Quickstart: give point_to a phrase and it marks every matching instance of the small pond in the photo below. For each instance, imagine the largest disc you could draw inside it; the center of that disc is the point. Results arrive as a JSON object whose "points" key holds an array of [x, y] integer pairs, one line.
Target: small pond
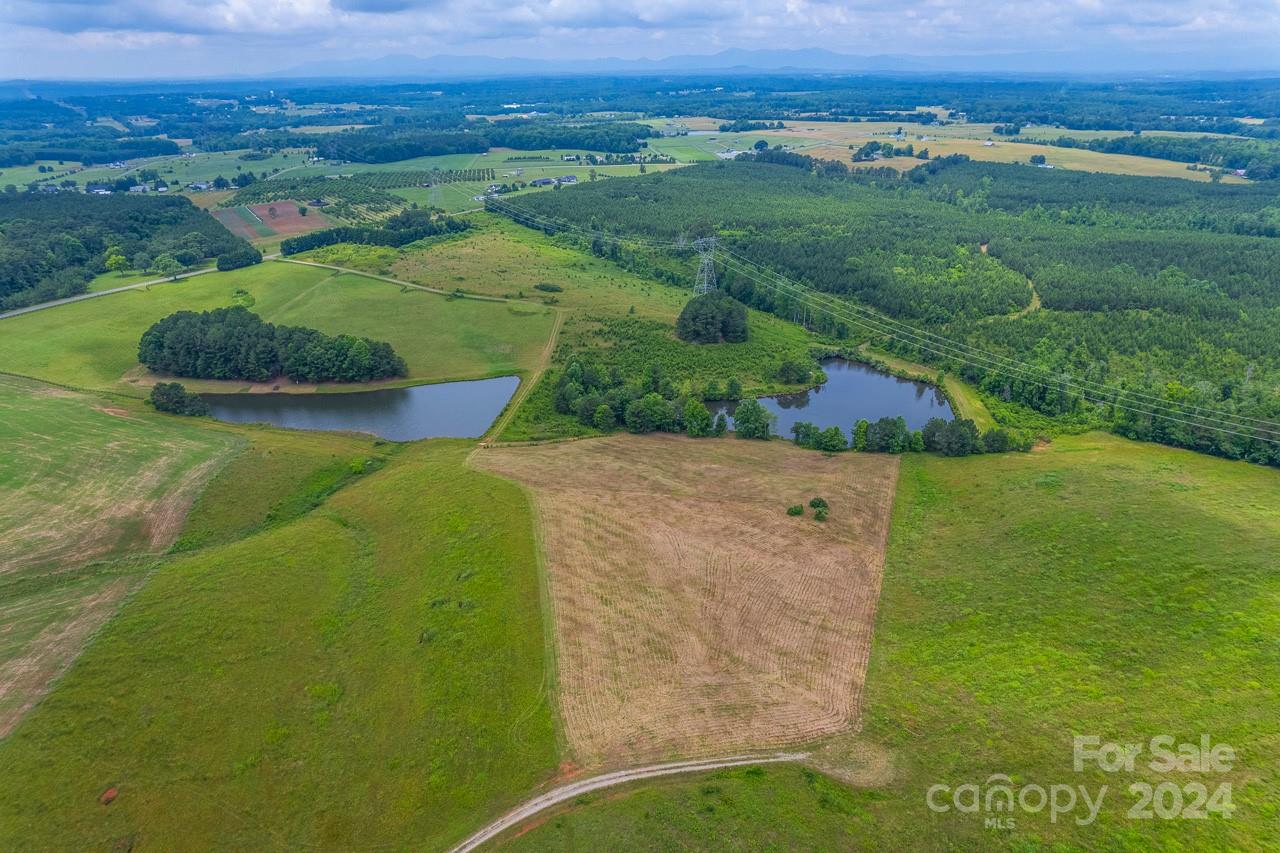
{"points": [[853, 391], [446, 410]]}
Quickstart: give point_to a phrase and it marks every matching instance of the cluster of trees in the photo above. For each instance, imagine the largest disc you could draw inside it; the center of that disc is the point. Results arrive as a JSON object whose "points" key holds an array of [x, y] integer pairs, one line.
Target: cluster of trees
{"points": [[743, 125], [618, 137], [389, 145], [52, 245], [712, 318], [245, 256], [959, 437], [604, 400], [397, 230], [174, 398], [235, 343]]}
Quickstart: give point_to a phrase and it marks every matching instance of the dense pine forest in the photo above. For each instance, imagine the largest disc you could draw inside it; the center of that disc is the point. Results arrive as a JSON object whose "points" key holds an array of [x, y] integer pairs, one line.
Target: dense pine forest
{"points": [[1151, 295]]}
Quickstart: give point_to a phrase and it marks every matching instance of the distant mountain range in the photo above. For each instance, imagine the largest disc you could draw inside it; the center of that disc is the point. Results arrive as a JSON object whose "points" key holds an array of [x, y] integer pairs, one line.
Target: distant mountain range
{"points": [[748, 61]]}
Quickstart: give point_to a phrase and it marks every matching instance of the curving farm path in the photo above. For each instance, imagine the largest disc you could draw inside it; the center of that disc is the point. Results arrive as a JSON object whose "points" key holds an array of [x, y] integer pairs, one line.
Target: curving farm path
{"points": [[558, 795]]}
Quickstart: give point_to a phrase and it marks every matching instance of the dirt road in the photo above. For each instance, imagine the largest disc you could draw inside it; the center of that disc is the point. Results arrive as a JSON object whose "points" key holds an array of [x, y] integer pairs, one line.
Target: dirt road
{"points": [[620, 777]]}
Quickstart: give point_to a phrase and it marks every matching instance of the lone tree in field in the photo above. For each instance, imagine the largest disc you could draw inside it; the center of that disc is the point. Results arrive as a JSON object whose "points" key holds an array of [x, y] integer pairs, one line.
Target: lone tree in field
{"points": [[712, 318]]}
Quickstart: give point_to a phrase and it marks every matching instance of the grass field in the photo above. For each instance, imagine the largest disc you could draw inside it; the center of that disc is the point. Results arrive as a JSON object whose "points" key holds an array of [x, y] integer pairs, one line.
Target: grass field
{"points": [[85, 484], [93, 344], [366, 676], [20, 176], [1096, 587], [693, 616], [112, 280], [1060, 158], [768, 807], [182, 169]]}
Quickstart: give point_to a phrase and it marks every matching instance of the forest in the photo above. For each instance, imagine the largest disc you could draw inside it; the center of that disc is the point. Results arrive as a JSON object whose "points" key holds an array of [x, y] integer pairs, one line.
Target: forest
{"points": [[235, 343], [391, 143], [1146, 321], [52, 245]]}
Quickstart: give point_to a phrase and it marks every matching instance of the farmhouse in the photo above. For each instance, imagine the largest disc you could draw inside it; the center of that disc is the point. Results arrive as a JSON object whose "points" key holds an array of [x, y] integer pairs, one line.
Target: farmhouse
{"points": [[542, 182], [567, 179]]}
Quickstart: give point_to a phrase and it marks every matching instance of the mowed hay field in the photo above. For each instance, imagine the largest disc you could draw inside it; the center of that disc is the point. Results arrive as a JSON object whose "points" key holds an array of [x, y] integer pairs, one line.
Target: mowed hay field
{"points": [[94, 343], [366, 676], [82, 481], [1094, 587], [693, 616]]}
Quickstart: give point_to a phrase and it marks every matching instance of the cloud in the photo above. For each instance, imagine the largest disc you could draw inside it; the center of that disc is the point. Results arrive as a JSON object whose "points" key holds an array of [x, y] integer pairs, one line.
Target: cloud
{"points": [[570, 29]]}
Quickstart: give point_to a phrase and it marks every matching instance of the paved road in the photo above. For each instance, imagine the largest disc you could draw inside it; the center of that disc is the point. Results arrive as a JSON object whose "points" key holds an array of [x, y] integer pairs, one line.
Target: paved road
{"points": [[83, 296], [576, 789], [17, 312]]}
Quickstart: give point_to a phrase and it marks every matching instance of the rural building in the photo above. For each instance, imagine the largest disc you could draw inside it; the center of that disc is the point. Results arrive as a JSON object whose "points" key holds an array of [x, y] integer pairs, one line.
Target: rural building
{"points": [[542, 182], [567, 179]]}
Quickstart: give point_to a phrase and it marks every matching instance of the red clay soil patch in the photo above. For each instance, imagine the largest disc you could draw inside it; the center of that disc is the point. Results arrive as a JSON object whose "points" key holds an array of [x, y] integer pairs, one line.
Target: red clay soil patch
{"points": [[286, 220]]}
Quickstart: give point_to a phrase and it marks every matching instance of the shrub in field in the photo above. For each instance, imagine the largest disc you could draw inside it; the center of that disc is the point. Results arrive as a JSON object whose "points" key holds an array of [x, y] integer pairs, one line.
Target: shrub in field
{"points": [[820, 514], [174, 398], [819, 503], [795, 509]]}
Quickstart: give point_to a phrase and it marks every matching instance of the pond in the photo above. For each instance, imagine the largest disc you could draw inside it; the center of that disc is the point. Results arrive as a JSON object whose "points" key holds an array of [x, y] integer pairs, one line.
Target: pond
{"points": [[446, 410], [853, 391]]}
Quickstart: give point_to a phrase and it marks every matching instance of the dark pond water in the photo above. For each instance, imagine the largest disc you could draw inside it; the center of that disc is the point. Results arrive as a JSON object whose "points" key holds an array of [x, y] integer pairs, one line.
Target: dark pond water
{"points": [[852, 391], [447, 410]]}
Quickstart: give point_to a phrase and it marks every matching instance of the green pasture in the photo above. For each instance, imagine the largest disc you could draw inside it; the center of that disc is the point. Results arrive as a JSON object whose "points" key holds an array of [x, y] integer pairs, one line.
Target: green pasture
{"points": [[366, 676], [93, 343]]}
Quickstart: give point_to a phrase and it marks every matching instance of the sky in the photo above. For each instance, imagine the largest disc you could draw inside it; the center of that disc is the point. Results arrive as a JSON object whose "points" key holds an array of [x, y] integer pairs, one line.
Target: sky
{"points": [[80, 39]]}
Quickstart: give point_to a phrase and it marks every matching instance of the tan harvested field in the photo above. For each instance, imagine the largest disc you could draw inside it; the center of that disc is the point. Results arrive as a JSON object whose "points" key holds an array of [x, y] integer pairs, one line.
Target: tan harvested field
{"points": [[692, 615]]}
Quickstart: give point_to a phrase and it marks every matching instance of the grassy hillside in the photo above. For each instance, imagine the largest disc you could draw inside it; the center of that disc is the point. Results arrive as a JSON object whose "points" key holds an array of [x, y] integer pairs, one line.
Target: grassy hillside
{"points": [[369, 675], [1096, 587], [93, 344], [89, 492]]}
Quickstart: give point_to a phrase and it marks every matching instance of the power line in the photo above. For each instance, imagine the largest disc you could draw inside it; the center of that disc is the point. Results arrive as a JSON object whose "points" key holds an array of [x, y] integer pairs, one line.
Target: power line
{"points": [[928, 341], [993, 361]]}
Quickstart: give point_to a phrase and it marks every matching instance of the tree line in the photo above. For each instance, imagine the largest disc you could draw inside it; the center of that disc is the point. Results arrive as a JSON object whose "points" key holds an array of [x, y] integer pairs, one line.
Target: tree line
{"points": [[397, 230]]}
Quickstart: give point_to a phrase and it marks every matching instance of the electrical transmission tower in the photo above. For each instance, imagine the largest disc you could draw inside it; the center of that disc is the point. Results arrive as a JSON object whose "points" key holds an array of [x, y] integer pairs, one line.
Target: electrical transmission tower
{"points": [[706, 248]]}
